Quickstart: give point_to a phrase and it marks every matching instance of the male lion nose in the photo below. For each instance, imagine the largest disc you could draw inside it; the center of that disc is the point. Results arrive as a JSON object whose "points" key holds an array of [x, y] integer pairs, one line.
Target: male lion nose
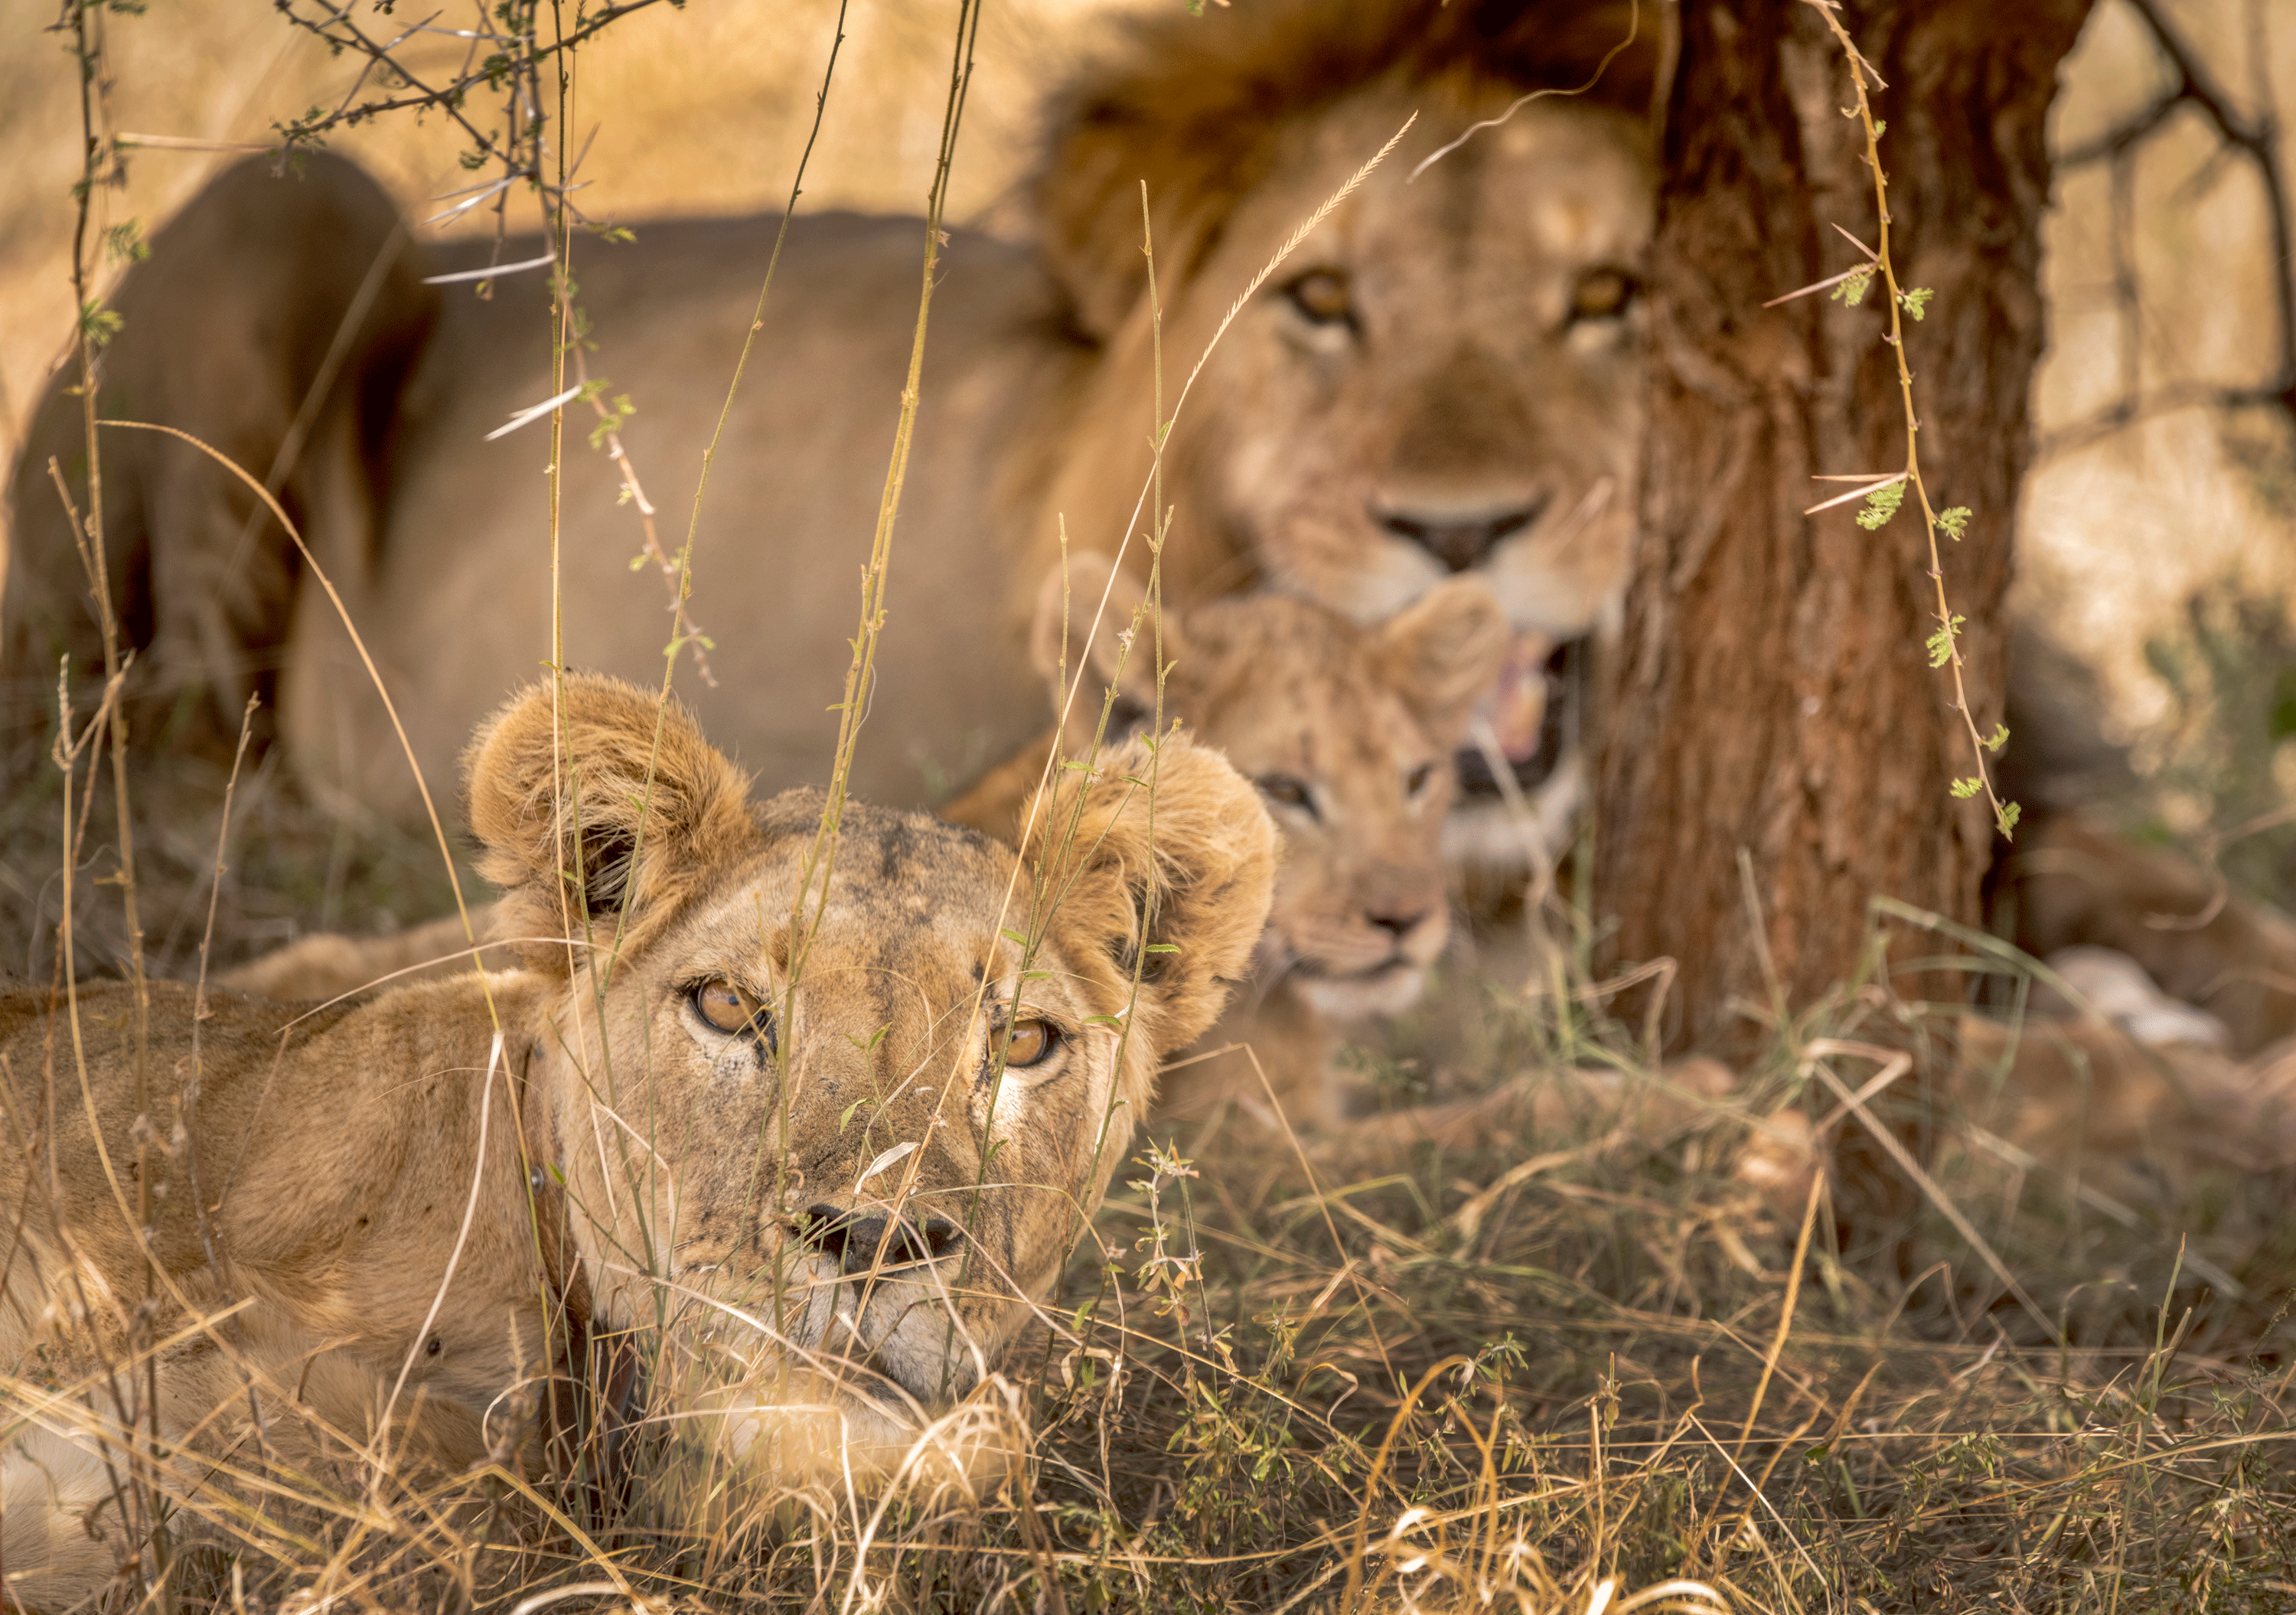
{"points": [[853, 1242], [1460, 541]]}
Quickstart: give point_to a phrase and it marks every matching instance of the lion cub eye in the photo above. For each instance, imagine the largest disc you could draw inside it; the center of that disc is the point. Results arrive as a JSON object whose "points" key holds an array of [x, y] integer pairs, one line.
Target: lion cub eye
{"points": [[730, 1010], [1032, 1043], [1603, 294], [1289, 791], [1322, 297]]}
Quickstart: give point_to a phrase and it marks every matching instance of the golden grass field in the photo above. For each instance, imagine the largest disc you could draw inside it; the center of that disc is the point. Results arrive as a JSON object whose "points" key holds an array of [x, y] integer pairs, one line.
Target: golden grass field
{"points": [[1583, 1370]]}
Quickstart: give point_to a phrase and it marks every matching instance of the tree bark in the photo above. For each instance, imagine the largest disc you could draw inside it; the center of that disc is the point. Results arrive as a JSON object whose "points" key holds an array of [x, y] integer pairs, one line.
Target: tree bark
{"points": [[1771, 695]]}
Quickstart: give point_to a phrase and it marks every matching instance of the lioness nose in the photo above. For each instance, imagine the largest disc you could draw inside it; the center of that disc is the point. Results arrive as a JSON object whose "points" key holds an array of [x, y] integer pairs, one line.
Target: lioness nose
{"points": [[1459, 542], [853, 1242]]}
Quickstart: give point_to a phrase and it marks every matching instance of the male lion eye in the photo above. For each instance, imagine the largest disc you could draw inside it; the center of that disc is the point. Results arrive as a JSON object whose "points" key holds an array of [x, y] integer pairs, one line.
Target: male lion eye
{"points": [[1032, 1043], [730, 1010], [1287, 791], [1321, 296], [1603, 294]]}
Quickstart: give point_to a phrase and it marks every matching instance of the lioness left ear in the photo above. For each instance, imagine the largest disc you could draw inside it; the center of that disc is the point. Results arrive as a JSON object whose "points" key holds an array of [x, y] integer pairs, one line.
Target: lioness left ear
{"points": [[604, 806], [1180, 893], [1444, 650]]}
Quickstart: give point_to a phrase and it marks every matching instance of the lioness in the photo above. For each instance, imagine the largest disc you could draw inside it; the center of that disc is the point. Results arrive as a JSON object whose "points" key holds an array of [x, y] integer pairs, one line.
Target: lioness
{"points": [[1442, 378], [1348, 731], [738, 1107]]}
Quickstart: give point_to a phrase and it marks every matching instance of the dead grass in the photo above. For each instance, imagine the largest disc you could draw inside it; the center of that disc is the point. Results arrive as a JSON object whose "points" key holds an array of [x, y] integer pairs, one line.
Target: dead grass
{"points": [[1405, 1390], [1419, 1389]]}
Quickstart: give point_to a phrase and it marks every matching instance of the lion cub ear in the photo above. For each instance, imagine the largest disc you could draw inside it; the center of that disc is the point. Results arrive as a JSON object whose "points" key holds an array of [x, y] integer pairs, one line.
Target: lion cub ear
{"points": [[1180, 893], [1443, 652], [1067, 604], [600, 814]]}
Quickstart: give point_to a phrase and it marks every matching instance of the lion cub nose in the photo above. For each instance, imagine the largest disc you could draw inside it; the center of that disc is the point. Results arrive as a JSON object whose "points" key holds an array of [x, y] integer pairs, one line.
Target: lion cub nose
{"points": [[1459, 541], [1402, 924], [853, 1242]]}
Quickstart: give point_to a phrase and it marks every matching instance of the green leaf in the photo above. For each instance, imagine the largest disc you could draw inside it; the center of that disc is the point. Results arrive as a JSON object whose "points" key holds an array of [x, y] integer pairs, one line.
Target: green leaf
{"points": [[1161, 948], [125, 243], [98, 323], [1966, 788], [2008, 816], [1882, 503], [1998, 738], [1916, 299], [1852, 291], [1955, 519], [1940, 643]]}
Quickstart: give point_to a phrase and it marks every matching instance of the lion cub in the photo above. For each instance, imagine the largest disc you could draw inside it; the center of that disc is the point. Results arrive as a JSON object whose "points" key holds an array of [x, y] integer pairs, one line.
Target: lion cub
{"points": [[1348, 731], [715, 1155]]}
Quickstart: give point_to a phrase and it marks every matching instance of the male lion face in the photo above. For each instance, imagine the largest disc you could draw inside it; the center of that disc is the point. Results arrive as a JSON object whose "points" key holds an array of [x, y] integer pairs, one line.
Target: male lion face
{"points": [[1443, 377]]}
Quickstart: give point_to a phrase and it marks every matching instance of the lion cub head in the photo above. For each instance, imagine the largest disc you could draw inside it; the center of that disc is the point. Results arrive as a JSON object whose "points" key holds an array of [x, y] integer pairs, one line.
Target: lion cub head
{"points": [[835, 1109], [1346, 731]]}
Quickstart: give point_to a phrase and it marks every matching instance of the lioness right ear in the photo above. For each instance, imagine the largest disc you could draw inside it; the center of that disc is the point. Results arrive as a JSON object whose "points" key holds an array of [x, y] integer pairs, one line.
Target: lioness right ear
{"points": [[1066, 606], [601, 813], [1175, 888]]}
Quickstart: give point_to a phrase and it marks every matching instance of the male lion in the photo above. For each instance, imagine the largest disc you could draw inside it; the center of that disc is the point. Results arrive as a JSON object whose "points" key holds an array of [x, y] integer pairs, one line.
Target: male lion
{"points": [[733, 1110], [1442, 378], [1348, 731]]}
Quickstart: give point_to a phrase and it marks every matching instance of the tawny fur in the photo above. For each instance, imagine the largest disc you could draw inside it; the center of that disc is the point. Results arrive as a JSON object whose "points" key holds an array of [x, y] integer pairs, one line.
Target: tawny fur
{"points": [[1469, 381], [317, 1172], [2071, 884], [1359, 723]]}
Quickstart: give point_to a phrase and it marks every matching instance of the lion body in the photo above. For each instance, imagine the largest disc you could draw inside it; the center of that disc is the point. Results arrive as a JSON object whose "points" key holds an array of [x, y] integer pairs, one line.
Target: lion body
{"points": [[1442, 377], [379, 1228]]}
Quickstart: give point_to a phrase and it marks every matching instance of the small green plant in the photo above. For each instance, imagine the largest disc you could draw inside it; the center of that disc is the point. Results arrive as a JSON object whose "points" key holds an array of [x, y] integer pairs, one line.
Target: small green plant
{"points": [[1884, 497]]}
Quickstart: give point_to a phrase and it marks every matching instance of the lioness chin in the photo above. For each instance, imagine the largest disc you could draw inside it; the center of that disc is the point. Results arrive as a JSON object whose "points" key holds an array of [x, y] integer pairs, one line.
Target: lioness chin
{"points": [[713, 1158]]}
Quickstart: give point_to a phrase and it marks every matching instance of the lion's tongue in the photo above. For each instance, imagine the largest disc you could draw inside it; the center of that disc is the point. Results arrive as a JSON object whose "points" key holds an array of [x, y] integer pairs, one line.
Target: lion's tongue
{"points": [[1515, 706]]}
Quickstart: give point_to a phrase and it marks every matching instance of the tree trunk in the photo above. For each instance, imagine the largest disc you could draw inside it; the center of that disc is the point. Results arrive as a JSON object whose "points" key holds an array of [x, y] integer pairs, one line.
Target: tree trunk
{"points": [[1772, 696]]}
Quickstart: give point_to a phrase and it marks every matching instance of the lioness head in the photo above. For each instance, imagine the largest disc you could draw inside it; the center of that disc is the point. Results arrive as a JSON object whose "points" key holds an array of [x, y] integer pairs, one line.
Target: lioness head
{"points": [[1442, 378], [826, 1125], [1346, 731]]}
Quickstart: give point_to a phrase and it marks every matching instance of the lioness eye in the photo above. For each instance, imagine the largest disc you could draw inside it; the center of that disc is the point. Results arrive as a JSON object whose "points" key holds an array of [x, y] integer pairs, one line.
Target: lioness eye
{"points": [[1419, 778], [730, 1010], [1322, 296], [1288, 791], [1603, 294], [1032, 1043]]}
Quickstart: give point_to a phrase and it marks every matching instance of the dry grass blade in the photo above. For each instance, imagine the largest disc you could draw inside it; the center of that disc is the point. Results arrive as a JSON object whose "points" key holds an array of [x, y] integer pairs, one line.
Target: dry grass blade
{"points": [[343, 614]]}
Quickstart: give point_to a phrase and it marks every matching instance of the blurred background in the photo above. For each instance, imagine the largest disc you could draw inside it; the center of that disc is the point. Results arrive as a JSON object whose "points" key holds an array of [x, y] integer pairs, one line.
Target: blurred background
{"points": [[2155, 536]]}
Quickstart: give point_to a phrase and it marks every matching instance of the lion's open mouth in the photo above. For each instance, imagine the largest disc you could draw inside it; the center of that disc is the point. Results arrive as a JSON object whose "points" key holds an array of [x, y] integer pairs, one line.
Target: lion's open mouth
{"points": [[1530, 718]]}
